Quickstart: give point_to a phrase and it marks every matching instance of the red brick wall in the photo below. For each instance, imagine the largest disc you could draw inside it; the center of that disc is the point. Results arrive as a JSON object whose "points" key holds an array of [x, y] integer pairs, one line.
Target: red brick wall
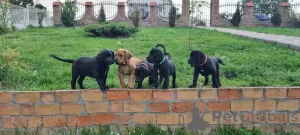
{"points": [[54, 109]]}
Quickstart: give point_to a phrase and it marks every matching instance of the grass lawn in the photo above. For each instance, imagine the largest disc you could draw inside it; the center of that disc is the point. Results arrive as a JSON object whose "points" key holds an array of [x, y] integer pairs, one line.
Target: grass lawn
{"points": [[248, 63], [272, 30]]}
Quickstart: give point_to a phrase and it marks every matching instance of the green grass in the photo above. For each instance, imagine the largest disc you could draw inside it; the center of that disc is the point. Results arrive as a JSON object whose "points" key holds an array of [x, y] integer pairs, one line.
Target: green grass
{"points": [[248, 63], [151, 129], [272, 30]]}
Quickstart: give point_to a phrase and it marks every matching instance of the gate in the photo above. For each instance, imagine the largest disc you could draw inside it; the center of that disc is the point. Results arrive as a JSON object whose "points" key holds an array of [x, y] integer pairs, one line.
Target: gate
{"points": [[200, 12]]}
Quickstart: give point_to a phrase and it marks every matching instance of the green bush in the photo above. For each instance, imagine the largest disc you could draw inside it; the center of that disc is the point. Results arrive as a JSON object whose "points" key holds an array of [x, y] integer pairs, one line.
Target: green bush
{"points": [[68, 13], [102, 16], [276, 17], [172, 17], [110, 30], [236, 19]]}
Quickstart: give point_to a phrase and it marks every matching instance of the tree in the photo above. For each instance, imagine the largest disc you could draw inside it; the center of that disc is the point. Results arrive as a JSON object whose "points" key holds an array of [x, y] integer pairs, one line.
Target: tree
{"points": [[265, 6], [236, 19], [102, 17], [136, 16], [22, 3], [4, 19], [172, 16], [68, 13], [276, 17]]}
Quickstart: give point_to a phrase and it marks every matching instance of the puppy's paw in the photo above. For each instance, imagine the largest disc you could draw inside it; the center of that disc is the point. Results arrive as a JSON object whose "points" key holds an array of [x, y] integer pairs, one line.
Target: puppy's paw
{"points": [[107, 87], [192, 86], [103, 89], [130, 86], [165, 87]]}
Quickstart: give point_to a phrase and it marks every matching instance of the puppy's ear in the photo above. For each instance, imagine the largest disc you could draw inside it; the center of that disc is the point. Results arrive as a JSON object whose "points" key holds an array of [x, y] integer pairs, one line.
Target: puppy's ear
{"points": [[128, 55]]}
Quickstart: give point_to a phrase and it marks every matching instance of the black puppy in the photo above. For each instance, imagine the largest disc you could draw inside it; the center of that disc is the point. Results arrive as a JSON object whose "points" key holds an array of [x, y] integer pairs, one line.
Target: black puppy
{"points": [[143, 70], [205, 66], [96, 67], [164, 66]]}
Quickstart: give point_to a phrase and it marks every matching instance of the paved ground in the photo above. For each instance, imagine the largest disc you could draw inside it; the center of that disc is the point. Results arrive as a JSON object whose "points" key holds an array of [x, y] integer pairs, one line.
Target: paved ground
{"points": [[290, 41]]}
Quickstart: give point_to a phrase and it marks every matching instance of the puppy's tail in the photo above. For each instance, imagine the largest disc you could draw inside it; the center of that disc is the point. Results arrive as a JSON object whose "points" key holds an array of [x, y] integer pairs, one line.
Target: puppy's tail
{"points": [[160, 45], [60, 59], [220, 61]]}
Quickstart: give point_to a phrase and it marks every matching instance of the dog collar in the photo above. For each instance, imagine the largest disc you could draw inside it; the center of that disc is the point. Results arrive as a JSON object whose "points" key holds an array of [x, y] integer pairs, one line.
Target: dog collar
{"points": [[204, 61], [147, 67], [127, 62], [163, 60]]}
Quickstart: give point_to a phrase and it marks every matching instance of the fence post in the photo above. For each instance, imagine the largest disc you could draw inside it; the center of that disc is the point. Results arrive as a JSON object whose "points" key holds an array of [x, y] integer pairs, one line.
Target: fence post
{"points": [[89, 17], [27, 15], [121, 16], [248, 19], [56, 13], [215, 18], [183, 20], [285, 14]]}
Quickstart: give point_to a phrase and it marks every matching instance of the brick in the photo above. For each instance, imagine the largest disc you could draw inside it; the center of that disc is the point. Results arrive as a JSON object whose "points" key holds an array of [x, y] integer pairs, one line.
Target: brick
{"points": [[268, 105], [230, 118], [72, 109], [276, 93], [27, 110], [260, 118], [218, 106], [134, 107], [54, 121], [163, 95], [209, 94], [27, 97], [116, 106], [92, 95], [7, 110], [229, 94], [167, 118], [253, 93], [187, 95], [182, 106], [201, 106], [47, 97], [117, 95], [277, 118], [67, 96], [241, 105], [50, 109], [209, 117], [79, 121], [144, 118], [294, 118], [34, 122], [102, 118], [122, 118], [185, 118], [140, 94], [6, 97], [246, 118], [294, 93], [289, 105], [96, 107], [14, 122], [159, 107]]}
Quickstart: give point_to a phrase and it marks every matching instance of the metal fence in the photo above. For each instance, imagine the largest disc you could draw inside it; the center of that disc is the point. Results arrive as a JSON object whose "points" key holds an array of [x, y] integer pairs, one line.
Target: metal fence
{"points": [[295, 7], [110, 9], [228, 9], [21, 17], [163, 10], [200, 12], [80, 10]]}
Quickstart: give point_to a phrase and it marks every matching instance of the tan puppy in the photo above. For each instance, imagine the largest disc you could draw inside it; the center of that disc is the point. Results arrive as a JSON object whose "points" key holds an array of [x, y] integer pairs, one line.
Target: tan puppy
{"points": [[126, 66]]}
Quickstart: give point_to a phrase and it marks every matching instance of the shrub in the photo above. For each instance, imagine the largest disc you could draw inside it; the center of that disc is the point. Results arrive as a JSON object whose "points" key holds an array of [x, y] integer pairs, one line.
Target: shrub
{"points": [[236, 18], [68, 13], [136, 17], [172, 17], [41, 15], [295, 20], [110, 30], [102, 17], [276, 17]]}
